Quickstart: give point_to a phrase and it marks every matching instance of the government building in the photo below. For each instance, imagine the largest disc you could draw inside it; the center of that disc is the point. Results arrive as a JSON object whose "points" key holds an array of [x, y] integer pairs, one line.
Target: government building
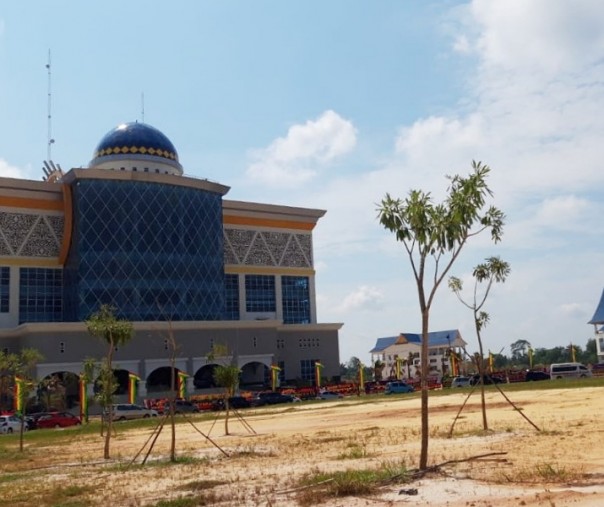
{"points": [[171, 255]]}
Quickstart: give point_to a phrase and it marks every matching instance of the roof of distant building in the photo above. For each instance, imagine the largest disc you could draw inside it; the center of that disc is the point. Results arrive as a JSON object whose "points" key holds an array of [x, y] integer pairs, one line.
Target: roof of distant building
{"points": [[435, 339]]}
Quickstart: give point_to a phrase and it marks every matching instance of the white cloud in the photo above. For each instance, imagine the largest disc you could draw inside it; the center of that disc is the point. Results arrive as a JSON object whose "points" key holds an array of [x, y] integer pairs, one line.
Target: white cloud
{"points": [[530, 112], [10, 171], [559, 211], [539, 35], [363, 298], [305, 150]]}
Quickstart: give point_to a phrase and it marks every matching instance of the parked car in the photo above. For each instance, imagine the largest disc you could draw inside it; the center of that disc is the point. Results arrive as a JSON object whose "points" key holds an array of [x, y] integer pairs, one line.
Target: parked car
{"points": [[488, 379], [461, 382], [532, 376], [32, 419], [329, 395], [128, 411], [235, 402], [571, 370], [10, 424], [185, 407], [57, 420], [398, 387], [271, 398]]}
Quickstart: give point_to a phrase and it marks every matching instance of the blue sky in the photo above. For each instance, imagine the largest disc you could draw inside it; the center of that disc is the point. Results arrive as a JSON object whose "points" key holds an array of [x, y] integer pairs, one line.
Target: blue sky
{"points": [[332, 104]]}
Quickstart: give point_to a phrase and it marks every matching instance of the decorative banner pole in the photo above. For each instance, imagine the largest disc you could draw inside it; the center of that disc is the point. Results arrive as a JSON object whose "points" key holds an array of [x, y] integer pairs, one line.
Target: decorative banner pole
{"points": [[398, 367], [530, 355], [490, 362], [572, 353], [18, 394], [83, 398], [318, 368], [361, 377], [182, 385], [274, 376], [132, 387], [453, 363]]}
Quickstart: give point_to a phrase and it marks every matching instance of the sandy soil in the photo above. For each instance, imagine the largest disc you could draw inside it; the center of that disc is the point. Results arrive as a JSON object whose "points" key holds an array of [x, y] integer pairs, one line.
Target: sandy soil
{"points": [[269, 450]]}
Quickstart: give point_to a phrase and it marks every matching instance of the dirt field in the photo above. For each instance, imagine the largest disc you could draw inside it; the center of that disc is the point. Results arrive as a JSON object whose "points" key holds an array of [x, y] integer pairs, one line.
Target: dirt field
{"points": [[270, 450]]}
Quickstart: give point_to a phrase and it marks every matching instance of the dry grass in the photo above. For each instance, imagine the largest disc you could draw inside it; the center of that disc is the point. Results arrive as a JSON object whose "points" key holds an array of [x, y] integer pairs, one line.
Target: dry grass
{"points": [[351, 444]]}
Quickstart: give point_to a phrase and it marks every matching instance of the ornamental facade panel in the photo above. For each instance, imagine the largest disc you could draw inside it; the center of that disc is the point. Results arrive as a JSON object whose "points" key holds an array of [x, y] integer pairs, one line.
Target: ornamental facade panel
{"points": [[267, 248], [30, 235]]}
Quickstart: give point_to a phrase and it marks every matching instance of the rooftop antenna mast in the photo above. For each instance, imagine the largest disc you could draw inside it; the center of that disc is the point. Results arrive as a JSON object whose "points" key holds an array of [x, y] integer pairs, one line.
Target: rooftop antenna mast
{"points": [[143, 107], [50, 139], [52, 172]]}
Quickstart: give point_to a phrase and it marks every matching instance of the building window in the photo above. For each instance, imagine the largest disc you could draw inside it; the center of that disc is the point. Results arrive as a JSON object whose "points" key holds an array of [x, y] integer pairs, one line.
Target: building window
{"points": [[260, 293], [4, 289], [280, 343], [307, 369], [295, 295], [40, 295], [231, 283]]}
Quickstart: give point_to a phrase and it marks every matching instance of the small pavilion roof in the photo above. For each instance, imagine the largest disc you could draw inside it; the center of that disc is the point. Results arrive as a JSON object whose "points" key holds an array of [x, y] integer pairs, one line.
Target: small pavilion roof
{"points": [[598, 317]]}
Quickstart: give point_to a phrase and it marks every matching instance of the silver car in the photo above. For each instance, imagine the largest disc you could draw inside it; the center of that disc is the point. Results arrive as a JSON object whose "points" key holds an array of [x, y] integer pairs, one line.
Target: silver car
{"points": [[127, 411], [11, 424]]}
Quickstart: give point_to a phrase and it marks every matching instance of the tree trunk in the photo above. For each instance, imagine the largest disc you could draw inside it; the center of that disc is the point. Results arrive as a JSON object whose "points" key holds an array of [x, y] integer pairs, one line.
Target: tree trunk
{"points": [[109, 386], [423, 459], [172, 411], [226, 418], [485, 424]]}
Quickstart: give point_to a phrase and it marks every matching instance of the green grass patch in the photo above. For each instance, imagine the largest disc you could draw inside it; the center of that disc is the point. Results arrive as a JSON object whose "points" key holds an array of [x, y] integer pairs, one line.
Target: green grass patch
{"points": [[321, 486], [68, 496], [540, 473], [354, 452], [209, 498]]}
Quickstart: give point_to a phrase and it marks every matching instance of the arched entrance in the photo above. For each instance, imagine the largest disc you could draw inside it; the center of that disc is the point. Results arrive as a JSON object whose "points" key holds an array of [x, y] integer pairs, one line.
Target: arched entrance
{"points": [[204, 377], [58, 391], [121, 382], [160, 380], [255, 375]]}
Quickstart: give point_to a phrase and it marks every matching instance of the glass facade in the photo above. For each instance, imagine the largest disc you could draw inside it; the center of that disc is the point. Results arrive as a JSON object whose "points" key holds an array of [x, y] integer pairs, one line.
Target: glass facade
{"points": [[4, 289], [232, 297], [260, 293], [296, 299], [154, 251], [40, 295]]}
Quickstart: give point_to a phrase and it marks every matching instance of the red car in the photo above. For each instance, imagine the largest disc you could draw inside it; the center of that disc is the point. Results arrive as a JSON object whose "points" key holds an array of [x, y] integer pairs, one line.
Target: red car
{"points": [[57, 420]]}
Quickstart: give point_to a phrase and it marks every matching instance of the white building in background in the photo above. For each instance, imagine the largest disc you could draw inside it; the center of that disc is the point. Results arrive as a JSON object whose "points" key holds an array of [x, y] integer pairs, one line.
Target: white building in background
{"points": [[406, 348]]}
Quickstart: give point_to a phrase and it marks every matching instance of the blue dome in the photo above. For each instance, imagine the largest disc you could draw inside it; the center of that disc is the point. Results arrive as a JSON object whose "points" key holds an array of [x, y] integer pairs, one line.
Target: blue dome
{"points": [[135, 139]]}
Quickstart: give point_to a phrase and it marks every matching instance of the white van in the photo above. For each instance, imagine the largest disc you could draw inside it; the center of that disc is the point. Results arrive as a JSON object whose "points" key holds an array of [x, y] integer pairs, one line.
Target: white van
{"points": [[563, 370]]}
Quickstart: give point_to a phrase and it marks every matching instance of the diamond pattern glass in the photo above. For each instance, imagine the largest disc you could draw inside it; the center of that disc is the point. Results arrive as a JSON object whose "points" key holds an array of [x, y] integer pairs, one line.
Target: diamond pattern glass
{"points": [[154, 251]]}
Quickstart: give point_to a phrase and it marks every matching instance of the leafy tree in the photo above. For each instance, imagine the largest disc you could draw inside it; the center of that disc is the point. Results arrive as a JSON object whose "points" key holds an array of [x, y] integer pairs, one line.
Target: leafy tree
{"points": [[226, 375], [590, 356], [378, 370], [114, 332], [519, 350], [489, 272], [436, 234], [19, 368]]}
